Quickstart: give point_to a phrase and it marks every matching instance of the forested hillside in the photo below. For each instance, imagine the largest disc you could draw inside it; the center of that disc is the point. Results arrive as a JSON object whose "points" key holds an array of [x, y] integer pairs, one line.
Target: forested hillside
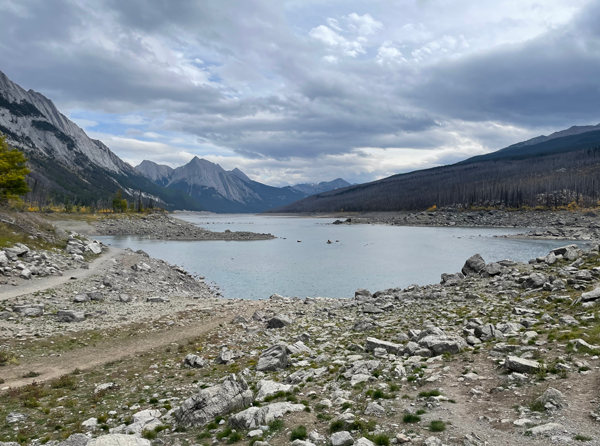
{"points": [[553, 173]]}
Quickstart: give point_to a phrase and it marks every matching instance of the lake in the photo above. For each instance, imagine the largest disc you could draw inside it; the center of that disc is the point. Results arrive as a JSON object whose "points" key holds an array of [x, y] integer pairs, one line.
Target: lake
{"points": [[362, 256]]}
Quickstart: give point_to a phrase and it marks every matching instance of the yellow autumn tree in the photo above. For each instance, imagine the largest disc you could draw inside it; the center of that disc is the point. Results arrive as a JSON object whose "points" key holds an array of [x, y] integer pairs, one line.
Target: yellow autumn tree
{"points": [[12, 172]]}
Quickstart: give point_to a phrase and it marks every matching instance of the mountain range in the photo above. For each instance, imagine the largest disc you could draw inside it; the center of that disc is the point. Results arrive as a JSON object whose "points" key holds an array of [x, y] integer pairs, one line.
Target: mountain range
{"points": [[556, 170], [220, 190], [67, 165]]}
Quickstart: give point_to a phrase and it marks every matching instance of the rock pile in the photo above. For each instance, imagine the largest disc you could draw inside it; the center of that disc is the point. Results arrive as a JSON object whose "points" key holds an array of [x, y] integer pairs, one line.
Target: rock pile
{"points": [[164, 227]]}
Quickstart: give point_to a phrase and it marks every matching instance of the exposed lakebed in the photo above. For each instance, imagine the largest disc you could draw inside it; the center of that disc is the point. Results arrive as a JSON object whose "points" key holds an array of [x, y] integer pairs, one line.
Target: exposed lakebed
{"points": [[361, 256]]}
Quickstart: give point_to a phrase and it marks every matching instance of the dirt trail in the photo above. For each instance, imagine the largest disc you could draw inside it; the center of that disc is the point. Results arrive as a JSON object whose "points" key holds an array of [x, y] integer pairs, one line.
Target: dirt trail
{"points": [[107, 351], [95, 267]]}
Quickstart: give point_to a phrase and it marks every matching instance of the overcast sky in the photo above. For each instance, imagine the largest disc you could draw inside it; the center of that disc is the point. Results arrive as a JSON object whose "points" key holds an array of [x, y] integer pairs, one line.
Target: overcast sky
{"points": [[306, 90]]}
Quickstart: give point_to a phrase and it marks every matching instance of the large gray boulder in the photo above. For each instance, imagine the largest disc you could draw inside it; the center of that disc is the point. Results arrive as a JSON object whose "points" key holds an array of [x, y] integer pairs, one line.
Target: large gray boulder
{"points": [[443, 344], [254, 417], [279, 321], [520, 365], [390, 347], [70, 316], [75, 440], [119, 440], [452, 279], [591, 295], [342, 438], [272, 359], [194, 361], [553, 399], [266, 387], [536, 280], [233, 394], [488, 332], [474, 265]]}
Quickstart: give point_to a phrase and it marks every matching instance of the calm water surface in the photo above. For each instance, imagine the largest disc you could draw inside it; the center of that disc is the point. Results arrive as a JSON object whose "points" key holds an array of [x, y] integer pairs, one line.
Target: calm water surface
{"points": [[365, 256]]}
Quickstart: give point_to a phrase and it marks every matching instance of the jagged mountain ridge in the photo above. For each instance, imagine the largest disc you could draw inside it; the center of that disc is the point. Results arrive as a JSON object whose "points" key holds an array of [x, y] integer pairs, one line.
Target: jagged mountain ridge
{"points": [[66, 164], [324, 186], [219, 190], [158, 173], [546, 171]]}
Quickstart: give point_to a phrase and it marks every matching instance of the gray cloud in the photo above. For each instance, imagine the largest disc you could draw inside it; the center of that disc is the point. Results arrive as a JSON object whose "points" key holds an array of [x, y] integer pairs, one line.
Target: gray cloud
{"points": [[277, 82]]}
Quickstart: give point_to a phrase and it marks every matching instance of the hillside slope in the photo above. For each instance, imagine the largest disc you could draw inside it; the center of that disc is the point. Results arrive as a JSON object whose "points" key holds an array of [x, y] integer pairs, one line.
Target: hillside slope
{"points": [[68, 165], [553, 172]]}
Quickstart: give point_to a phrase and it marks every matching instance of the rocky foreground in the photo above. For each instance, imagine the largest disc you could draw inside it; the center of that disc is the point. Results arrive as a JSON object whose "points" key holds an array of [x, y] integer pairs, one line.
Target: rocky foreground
{"points": [[160, 226], [555, 225], [498, 354]]}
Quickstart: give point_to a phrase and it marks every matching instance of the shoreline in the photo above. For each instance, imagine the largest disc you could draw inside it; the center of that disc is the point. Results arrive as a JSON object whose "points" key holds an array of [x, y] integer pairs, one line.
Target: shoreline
{"points": [[464, 351]]}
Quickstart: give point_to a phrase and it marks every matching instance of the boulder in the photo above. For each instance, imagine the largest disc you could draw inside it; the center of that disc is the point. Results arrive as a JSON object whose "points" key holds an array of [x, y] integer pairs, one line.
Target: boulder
{"points": [[70, 316], [266, 387], [75, 440], [279, 321], [552, 399], [298, 347], [591, 295], [521, 365], [119, 440], [452, 279], [443, 344], [25, 274], [374, 409], [390, 347], [254, 417], [536, 280], [240, 320], [94, 248], [493, 269], [361, 292], [81, 298], [474, 265], [144, 420], [488, 332], [364, 325], [272, 359], [225, 355], [232, 394], [342, 438], [194, 361]]}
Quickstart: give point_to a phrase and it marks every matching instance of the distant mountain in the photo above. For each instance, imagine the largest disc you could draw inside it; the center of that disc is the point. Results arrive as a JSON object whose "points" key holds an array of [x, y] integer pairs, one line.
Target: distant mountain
{"points": [[547, 171], [156, 172], [219, 190], [325, 186], [65, 162]]}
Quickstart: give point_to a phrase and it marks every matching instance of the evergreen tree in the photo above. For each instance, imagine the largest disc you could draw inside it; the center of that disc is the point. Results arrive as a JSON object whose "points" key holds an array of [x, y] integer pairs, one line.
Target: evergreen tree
{"points": [[12, 172]]}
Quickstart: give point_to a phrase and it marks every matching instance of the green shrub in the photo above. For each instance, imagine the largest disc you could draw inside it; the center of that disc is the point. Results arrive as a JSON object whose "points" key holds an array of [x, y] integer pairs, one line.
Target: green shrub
{"points": [[64, 382], [434, 392], [336, 426], [582, 438], [149, 435], [276, 425], [31, 375], [234, 437], [224, 433], [381, 440], [437, 426], [411, 418], [298, 433]]}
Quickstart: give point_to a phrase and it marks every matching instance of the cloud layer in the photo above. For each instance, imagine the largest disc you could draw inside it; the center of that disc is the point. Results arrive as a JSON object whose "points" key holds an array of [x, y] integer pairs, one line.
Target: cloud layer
{"points": [[294, 91]]}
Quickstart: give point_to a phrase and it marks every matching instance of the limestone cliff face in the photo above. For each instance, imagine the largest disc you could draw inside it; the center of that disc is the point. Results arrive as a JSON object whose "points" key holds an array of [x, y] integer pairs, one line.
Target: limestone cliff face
{"points": [[158, 173], [32, 122], [65, 162]]}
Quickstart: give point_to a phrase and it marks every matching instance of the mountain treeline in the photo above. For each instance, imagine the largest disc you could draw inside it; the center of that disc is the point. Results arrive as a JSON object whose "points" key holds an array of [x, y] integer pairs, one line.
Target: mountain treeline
{"points": [[552, 180]]}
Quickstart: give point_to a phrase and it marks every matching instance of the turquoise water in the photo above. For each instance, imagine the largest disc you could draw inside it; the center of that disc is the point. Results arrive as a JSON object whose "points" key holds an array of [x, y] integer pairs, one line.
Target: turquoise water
{"points": [[364, 256]]}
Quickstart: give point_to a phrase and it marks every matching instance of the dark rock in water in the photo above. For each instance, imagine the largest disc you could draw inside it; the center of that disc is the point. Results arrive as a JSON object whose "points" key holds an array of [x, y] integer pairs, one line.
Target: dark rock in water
{"points": [[474, 265], [278, 321], [273, 358]]}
